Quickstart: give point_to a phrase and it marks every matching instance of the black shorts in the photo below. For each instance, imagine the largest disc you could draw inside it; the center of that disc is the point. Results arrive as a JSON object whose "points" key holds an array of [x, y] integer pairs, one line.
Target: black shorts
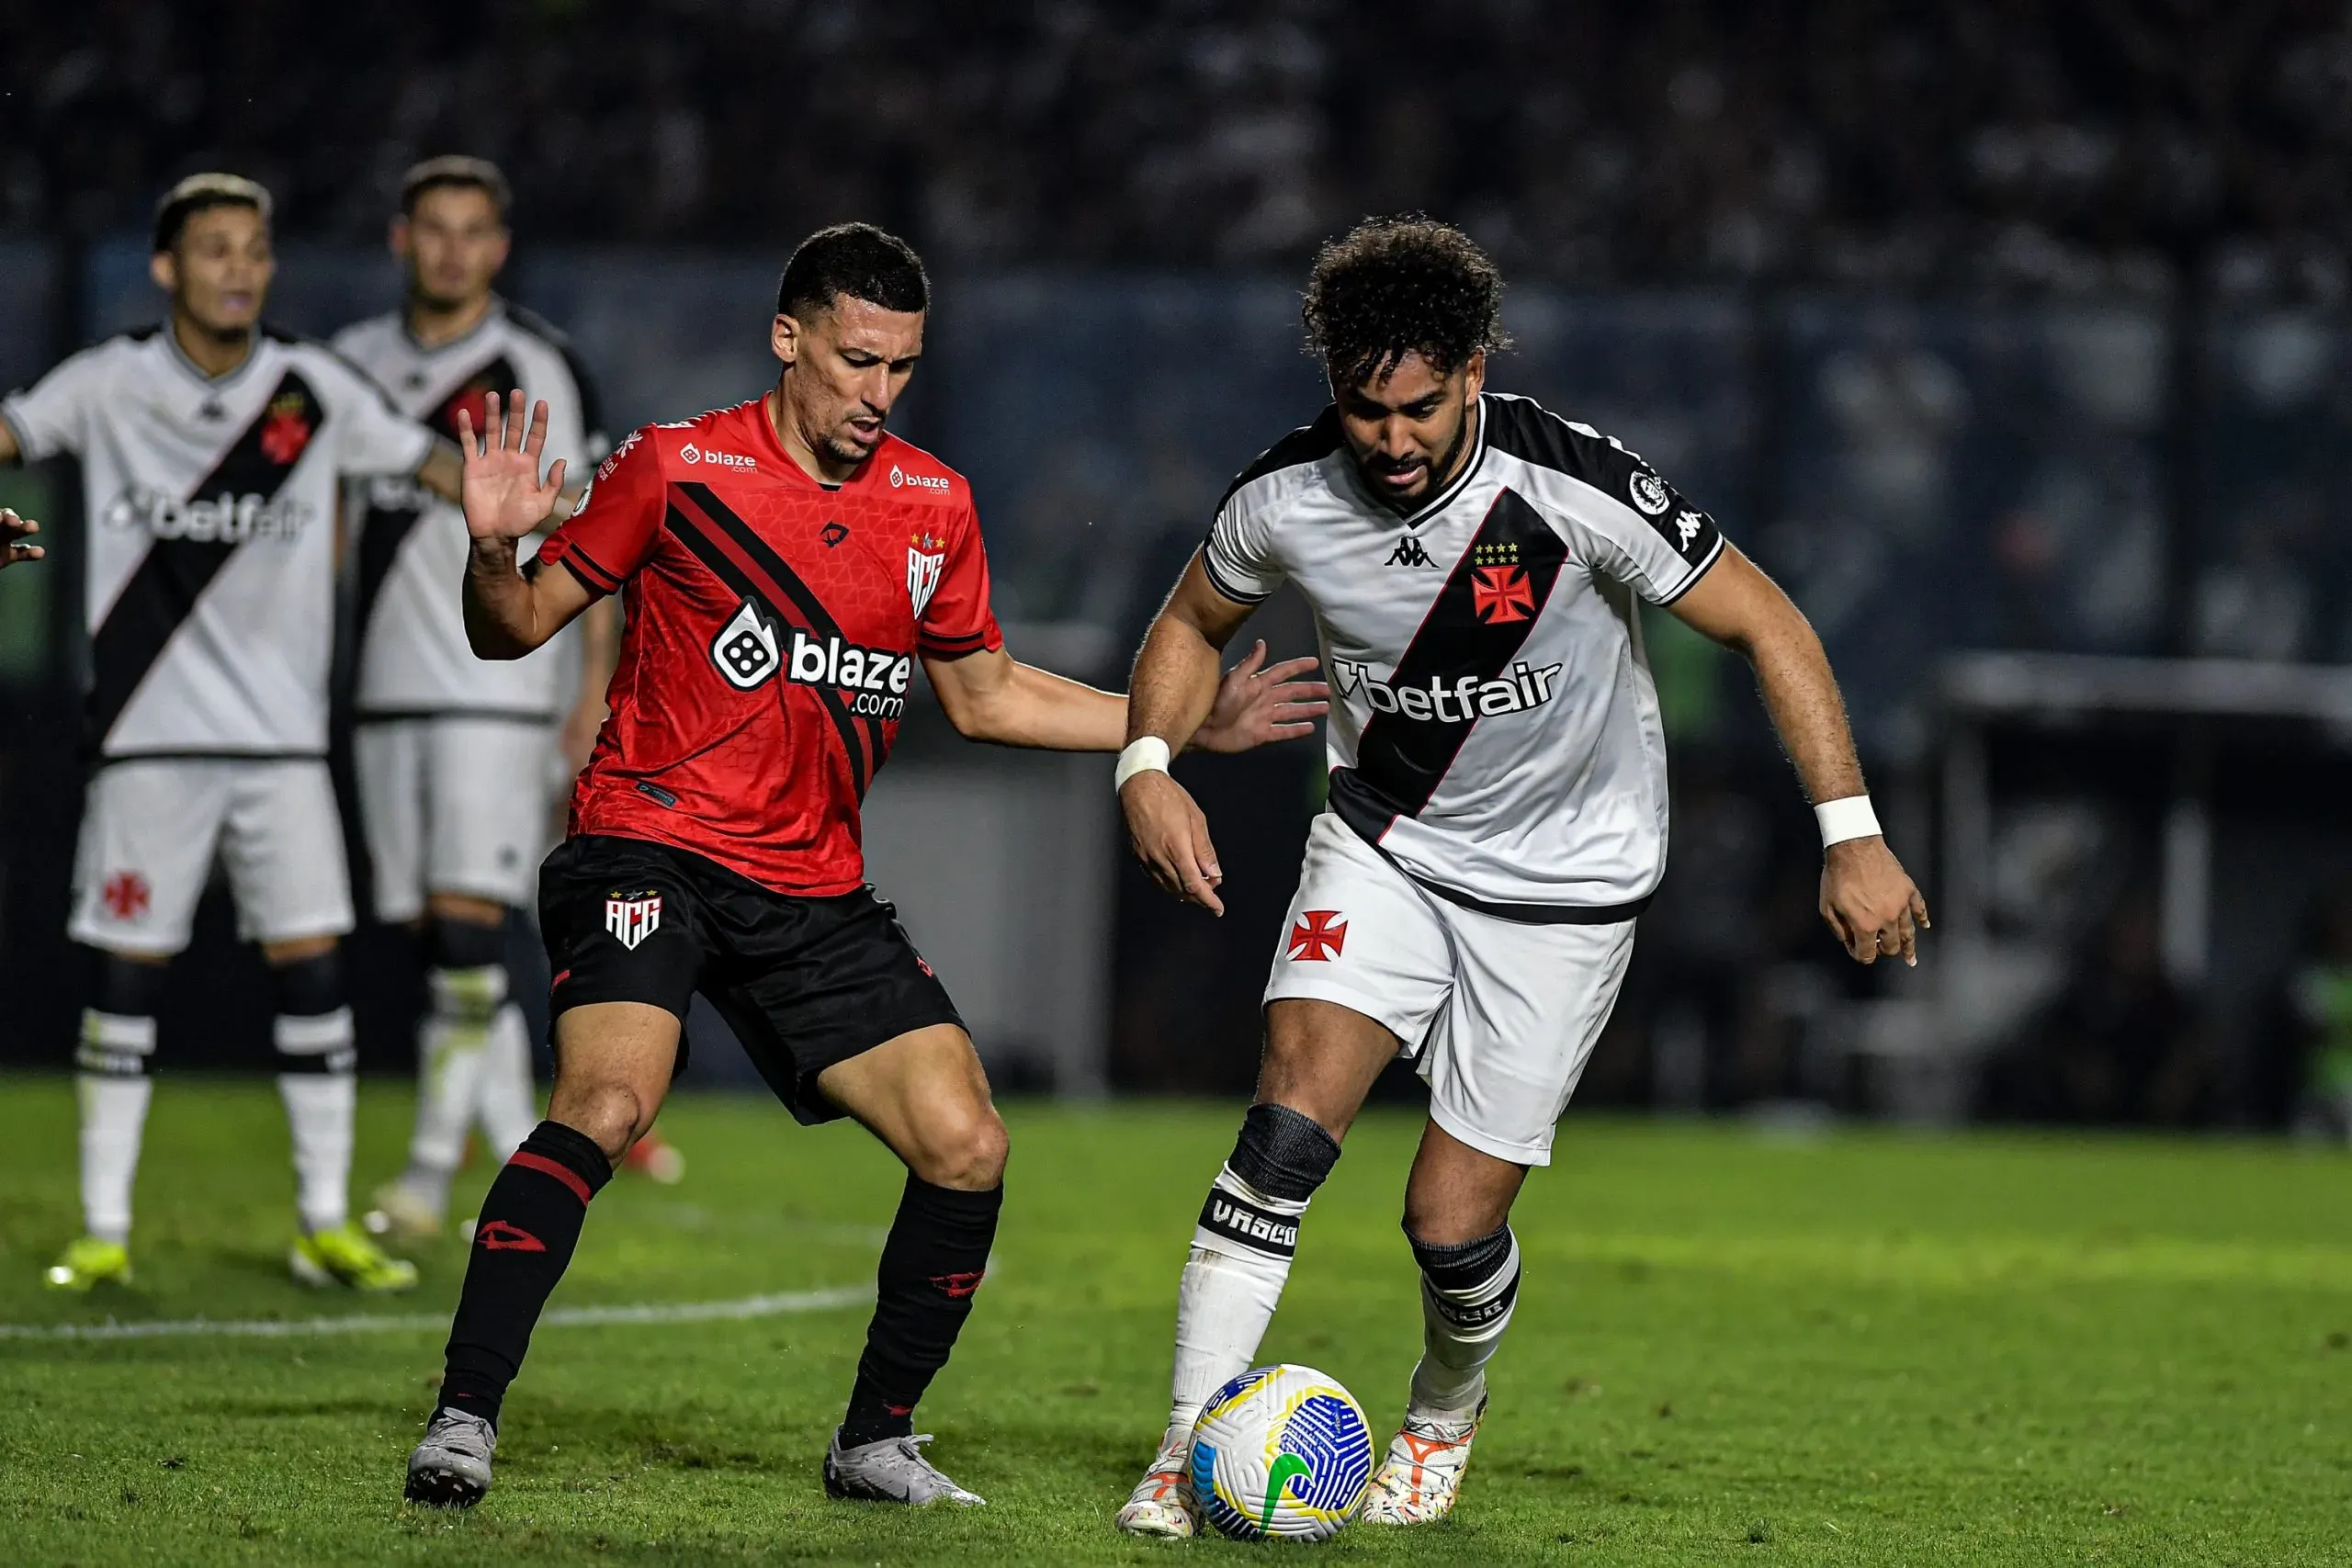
{"points": [[803, 982]]}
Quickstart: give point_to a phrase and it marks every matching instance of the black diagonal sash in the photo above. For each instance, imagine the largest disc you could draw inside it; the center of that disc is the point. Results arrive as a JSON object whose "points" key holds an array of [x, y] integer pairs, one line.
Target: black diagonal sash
{"points": [[163, 589], [1476, 627], [698, 518], [388, 527]]}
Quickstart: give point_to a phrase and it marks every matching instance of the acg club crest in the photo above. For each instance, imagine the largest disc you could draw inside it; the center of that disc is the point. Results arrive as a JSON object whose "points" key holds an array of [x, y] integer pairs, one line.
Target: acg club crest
{"points": [[926, 561], [632, 916]]}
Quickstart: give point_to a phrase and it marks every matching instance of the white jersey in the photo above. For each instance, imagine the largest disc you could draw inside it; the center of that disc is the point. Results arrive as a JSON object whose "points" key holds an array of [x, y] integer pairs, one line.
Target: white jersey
{"points": [[211, 505], [1494, 730], [413, 659]]}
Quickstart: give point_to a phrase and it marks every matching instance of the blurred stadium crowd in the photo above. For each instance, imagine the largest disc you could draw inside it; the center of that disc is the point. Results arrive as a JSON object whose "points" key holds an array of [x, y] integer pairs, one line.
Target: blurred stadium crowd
{"points": [[2068, 145]]}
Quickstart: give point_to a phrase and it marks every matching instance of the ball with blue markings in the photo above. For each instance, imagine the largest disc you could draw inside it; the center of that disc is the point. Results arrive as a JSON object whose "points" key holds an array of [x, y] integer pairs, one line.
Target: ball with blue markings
{"points": [[1281, 1452]]}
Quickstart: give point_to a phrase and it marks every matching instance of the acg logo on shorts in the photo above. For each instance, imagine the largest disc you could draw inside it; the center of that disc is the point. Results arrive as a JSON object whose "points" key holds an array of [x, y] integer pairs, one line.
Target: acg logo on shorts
{"points": [[632, 916]]}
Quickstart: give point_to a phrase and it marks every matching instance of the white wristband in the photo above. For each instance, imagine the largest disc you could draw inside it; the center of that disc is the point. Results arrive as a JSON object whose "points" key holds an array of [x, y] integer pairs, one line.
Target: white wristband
{"points": [[1848, 819], [1149, 755]]}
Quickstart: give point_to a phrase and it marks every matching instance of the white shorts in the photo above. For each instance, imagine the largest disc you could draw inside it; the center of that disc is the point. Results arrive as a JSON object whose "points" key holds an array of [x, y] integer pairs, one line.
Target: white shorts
{"points": [[453, 805], [150, 833], [1497, 1016]]}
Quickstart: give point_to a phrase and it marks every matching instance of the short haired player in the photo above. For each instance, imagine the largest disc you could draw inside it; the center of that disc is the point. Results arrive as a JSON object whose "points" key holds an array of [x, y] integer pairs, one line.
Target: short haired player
{"points": [[211, 449], [787, 562], [447, 747], [1498, 807]]}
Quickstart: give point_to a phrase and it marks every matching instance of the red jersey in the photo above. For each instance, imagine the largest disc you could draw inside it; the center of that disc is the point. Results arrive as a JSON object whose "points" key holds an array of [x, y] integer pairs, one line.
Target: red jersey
{"points": [[773, 624]]}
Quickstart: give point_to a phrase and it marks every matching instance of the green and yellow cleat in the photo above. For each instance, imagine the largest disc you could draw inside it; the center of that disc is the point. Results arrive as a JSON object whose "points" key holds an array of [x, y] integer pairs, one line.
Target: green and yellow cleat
{"points": [[346, 1255], [89, 1262]]}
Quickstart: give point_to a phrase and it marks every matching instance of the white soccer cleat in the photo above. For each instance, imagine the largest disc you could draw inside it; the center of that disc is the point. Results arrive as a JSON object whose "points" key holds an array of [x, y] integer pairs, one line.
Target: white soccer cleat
{"points": [[1419, 1481], [451, 1468], [892, 1471], [1161, 1504]]}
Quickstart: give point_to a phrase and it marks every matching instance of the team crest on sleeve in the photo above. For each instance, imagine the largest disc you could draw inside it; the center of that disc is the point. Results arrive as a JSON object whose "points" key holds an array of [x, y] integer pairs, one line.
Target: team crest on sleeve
{"points": [[632, 916], [745, 649], [926, 561], [1649, 492]]}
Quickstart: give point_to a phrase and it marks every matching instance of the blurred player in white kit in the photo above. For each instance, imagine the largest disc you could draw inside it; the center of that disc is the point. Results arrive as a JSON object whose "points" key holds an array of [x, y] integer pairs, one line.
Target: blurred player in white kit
{"points": [[211, 449], [459, 759]]}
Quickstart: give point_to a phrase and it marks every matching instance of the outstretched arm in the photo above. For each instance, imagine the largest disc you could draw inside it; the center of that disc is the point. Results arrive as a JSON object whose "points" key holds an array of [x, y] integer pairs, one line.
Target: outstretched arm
{"points": [[993, 696], [1868, 900], [16, 534], [507, 614], [1175, 682]]}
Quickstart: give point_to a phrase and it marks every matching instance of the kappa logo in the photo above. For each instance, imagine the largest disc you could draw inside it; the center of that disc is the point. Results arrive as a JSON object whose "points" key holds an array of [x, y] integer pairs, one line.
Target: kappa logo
{"points": [[926, 562], [745, 650], [1649, 492], [1409, 552], [901, 479], [632, 916], [690, 452], [1319, 937], [1688, 524]]}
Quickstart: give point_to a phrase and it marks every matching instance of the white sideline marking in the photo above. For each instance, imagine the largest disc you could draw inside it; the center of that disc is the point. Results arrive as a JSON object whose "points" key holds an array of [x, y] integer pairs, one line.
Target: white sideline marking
{"points": [[783, 1304]]}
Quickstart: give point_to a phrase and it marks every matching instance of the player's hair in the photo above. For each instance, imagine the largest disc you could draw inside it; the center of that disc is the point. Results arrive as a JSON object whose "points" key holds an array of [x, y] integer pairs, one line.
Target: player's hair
{"points": [[1400, 286], [856, 259], [201, 193], [456, 172]]}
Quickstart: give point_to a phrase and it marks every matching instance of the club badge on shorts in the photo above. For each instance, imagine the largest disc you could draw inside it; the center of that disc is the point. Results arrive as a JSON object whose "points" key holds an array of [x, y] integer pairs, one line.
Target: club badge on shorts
{"points": [[632, 916]]}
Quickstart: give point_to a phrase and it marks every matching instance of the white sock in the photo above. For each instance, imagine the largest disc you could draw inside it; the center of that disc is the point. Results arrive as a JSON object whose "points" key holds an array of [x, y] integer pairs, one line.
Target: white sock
{"points": [[113, 1090], [1233, 1281], [319, 1102], [1467, 1295], [506, 1100], [453, 1046]]}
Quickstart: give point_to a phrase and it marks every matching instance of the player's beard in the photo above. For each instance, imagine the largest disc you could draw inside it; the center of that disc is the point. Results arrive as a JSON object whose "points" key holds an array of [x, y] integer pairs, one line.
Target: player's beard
{"points": [[1441, 469]]}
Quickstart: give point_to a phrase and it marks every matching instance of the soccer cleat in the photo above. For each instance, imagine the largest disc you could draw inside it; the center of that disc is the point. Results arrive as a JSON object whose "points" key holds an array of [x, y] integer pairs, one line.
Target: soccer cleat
{"points": [[1420, 1479], [654, 1155], [347, 1255], [891, 1472], [451, 1468], [87, 1262], [1162, 1503], [400, 1212]]}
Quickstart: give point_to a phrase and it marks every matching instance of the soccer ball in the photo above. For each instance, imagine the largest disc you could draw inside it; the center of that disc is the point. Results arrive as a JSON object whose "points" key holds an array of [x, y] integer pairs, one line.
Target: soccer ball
{"points": [[1282, 1451]]}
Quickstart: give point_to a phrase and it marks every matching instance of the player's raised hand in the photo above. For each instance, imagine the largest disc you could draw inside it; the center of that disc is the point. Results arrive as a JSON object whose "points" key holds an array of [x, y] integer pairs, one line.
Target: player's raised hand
{"points": [[16, 534], [1172, 838], [505, 497], [1257, 703], [1869, 902]]}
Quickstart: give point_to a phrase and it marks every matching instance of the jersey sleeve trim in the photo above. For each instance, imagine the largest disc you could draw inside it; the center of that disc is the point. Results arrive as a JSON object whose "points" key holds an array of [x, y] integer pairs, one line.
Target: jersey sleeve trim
{"points": [[28, 449], [1221, 582], [961, 647], [1704, 567], [581, 565]]}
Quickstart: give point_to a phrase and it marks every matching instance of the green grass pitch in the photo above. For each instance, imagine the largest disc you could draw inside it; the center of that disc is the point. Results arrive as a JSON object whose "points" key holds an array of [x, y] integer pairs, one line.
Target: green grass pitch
{"points": [[1863, 1348]]}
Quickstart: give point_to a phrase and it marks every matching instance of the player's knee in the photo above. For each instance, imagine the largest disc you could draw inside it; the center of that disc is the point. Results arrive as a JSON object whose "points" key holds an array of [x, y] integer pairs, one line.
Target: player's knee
{"points": [[607, 1110], [118, 1024], [313, 1029], [966, 1150], [1449, 1219]]}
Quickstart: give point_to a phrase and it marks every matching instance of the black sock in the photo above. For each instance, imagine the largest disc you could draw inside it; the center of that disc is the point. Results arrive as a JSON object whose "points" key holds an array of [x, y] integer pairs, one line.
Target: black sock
{"points": [[937, 1252], [530, 1222]]}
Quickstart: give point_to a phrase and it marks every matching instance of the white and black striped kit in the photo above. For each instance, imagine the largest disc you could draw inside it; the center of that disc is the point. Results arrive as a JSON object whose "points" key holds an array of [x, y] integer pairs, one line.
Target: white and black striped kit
{"points": [[210, 502], [414, 661], [1494, 730]]}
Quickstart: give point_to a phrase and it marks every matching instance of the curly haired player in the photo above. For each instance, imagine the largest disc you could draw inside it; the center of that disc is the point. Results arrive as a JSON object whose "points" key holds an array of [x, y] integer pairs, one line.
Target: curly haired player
{"points": [[1498, 807], [787, 562]]}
